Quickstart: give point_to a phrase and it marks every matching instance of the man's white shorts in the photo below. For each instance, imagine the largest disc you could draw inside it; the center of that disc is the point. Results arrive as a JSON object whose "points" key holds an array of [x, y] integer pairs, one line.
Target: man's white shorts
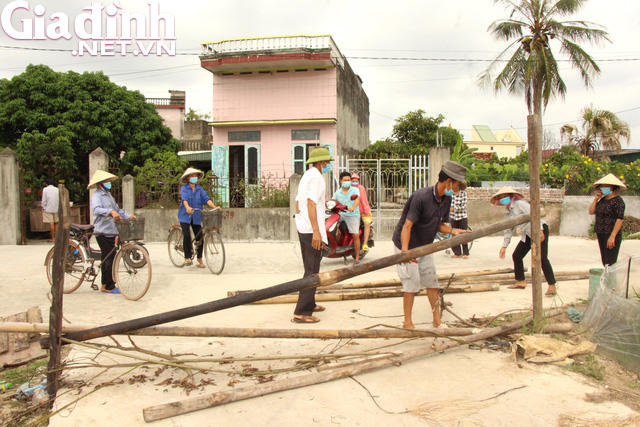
{"points": [[417, 274]]}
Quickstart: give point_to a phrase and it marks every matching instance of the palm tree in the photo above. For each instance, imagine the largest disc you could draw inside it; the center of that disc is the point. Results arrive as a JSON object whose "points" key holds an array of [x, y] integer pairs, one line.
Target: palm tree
{"points": [[532, 68], [601, 128]]}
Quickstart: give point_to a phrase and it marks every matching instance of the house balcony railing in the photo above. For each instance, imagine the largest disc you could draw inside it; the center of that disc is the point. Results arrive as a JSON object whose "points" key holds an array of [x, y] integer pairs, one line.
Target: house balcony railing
{"points": [[195, 146], [319, 42], [166, 101]]}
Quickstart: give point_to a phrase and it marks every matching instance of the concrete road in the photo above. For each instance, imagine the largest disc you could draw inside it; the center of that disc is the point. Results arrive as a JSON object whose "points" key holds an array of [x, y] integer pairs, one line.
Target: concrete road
{"points": [[444, 389]]}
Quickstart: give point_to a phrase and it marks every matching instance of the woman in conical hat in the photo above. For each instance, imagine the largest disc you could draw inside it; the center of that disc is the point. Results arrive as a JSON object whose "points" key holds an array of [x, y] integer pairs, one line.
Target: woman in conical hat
{"points": [[515, 205], [608, 207], [192, 197], [105, 212]]}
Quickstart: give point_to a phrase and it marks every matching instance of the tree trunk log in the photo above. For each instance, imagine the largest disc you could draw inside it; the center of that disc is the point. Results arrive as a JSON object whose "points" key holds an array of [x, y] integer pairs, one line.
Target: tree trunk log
{"points": [[57, 288], [315, 280], [159, 412], [534, 131]]}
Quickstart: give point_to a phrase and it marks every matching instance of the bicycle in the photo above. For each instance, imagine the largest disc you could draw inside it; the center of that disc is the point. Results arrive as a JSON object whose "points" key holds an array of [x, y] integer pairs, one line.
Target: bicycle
{"points": [[214, 253], [442, 236], [131, 264]]}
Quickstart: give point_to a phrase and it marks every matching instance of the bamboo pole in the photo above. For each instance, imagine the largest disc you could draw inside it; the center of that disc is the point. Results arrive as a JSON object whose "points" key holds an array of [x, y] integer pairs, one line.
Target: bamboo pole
{"points": [[159, 412], [374, 293], [534, 141], [444, 281], [315, 280], [199, 331], [55, 314]]}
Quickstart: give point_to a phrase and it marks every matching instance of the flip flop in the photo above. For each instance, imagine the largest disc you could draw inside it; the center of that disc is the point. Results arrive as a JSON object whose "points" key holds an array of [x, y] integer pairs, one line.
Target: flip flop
{"points": [[516, 287], [188, 262], [305, 319], [112, 291], [319, 308], [201, 266]]}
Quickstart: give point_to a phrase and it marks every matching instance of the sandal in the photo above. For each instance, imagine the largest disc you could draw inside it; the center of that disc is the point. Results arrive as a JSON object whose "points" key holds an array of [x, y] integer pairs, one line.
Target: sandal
{"points": [[201, 265], [551, 293], [516, 287], [305, 319], [188, 262], [319, 308], [111, 291]]}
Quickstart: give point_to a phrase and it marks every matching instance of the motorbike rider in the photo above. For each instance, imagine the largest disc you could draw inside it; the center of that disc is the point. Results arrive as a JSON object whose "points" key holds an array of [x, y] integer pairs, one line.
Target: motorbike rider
{"points": [[352, 216], [365, 209]]}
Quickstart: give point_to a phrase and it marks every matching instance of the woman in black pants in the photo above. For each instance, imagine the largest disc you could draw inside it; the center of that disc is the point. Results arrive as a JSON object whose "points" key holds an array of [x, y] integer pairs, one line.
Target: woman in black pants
{"points": [[608, 207], [516, 206]]}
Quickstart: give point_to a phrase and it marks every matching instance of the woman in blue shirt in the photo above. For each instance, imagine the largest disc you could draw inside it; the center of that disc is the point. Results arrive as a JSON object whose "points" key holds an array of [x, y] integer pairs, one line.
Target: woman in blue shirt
{"points": [[192, 197], [352, 215], [105, 212]]}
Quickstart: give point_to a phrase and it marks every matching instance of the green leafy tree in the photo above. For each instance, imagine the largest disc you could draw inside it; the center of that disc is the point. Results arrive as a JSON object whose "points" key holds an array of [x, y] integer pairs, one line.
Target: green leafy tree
{"points": [[532, 27], [159, 179], [601, 128], [72, 114], [419, 133]]}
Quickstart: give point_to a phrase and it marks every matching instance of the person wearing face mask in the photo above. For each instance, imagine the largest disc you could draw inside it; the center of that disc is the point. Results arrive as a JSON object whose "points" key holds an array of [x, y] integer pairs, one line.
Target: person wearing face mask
{"points": [[310, 208], [365, 209], [608, 207], [351, 217], [105, 212], [426, 213], [192, 197], [515, 206]]}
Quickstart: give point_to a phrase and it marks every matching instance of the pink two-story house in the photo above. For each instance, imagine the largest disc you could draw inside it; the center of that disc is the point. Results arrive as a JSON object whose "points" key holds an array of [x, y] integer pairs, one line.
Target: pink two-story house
{"points": [[277, 98]]}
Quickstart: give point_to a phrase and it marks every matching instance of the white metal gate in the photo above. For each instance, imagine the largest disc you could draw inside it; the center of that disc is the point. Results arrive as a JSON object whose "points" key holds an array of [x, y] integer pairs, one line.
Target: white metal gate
{"points": [[389, 183]]}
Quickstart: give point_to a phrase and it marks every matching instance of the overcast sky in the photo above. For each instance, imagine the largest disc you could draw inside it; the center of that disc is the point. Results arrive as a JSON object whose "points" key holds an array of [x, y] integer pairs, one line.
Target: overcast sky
{"points": [[449, 39]]}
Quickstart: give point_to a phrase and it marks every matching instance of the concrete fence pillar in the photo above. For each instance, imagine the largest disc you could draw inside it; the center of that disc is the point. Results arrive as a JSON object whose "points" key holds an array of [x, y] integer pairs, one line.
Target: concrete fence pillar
{"points": [[128, 194], [11, 227], [98, 160], [438, 156], [294, 183]]}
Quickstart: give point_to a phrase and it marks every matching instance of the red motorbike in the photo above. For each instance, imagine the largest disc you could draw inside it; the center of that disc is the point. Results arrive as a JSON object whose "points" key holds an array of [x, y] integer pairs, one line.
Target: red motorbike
{"points": [[340, 240]]}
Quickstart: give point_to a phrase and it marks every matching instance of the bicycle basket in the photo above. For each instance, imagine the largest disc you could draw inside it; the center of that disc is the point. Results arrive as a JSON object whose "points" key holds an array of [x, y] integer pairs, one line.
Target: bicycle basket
{"points": [[211, 219], [131, 230]]}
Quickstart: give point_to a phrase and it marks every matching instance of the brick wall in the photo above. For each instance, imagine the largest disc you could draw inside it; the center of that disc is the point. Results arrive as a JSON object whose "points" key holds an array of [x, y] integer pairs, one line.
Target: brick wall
{"points": [[550, 195]]}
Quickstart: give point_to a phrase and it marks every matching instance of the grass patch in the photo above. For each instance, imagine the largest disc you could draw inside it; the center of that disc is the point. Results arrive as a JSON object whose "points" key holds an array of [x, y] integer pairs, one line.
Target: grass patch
{"points": [[588, 366], [24, 373]]}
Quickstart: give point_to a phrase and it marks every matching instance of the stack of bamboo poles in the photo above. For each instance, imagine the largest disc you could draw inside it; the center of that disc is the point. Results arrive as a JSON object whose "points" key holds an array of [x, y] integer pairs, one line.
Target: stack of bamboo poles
{"points": [[473, 281]]}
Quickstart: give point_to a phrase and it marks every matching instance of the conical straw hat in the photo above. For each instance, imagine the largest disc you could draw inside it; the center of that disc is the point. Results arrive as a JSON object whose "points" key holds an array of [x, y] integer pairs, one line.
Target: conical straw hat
{"points": [[191, 171], [610, 179], [504, 190], [100, 176]]}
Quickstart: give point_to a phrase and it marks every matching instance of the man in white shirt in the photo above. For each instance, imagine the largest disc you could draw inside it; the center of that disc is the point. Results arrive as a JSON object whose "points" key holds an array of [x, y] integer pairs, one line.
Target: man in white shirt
{"points": [[310, 208], [50, 201]]}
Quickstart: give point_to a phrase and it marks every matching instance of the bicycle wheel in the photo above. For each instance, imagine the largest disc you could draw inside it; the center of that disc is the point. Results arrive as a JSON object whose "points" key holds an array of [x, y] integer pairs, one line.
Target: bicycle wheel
{"points": [[214, 252], [133, 282], [176, 249], [135, 258], [74, 267]]}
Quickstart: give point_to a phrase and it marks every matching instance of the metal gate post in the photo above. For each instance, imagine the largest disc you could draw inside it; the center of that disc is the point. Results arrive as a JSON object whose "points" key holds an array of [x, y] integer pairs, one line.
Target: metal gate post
{"points": [[410, 175]]}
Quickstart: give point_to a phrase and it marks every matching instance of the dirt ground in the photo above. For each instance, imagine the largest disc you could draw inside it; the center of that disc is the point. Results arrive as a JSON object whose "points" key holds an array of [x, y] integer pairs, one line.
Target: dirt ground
{"points": [[464, 386]]}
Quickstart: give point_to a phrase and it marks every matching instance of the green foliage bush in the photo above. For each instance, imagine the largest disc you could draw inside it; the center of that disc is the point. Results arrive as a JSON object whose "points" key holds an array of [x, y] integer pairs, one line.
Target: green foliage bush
{"points": [[158, 180]]}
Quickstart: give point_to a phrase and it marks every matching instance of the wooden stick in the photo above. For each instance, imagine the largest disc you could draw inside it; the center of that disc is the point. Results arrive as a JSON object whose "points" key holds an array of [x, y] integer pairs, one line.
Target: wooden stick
{"points": [[315, 280], [159, 412], [374, 293], [442, 279], [57, 288], [199, 331]]}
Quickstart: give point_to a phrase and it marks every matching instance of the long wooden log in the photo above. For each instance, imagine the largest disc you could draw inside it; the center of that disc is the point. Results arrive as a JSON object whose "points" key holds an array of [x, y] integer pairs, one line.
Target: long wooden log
{"points": [[200, 331], [373, 293], [57, 288], [325, 278], [203, 331], [159, 412], [389, 283]]}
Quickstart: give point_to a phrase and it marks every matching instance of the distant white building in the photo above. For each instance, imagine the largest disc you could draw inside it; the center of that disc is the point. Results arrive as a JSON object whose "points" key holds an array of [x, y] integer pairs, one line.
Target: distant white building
{"points": [[503, 143]]}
